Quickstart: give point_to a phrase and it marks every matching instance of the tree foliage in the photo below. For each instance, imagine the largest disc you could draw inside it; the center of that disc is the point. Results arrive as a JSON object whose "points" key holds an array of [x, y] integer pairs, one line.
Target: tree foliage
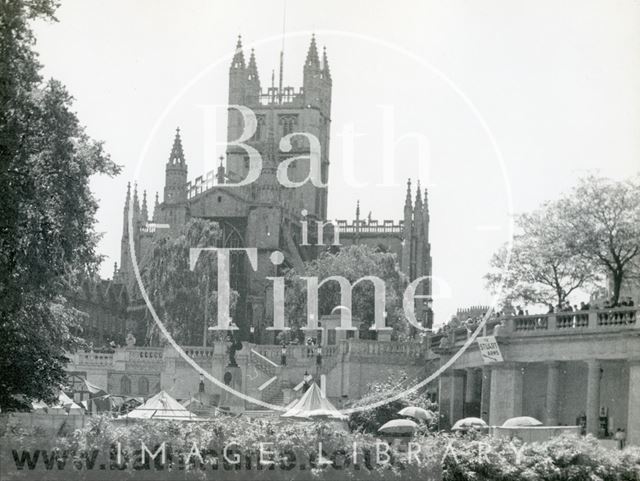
{"points": [[353, 263], [47, 228], [602, 224], [445, 456], [572, 243], [542, 268], [183, 298]]}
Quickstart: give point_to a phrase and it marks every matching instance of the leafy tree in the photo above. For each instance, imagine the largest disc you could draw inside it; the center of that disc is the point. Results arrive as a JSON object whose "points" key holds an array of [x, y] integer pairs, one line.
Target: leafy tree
{"points": [[353, 263], [602, 224], [48, 213], [184, 298], [542, 269]]}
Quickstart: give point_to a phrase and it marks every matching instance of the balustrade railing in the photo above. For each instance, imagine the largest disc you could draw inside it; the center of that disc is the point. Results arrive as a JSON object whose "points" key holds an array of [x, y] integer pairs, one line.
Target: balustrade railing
{"points": [[262, 362], [409, 349], [530, 323], [95, 359], [200, 352], [145, 354], [560, 322], [370, 227], [572, 320], [617, 317]]}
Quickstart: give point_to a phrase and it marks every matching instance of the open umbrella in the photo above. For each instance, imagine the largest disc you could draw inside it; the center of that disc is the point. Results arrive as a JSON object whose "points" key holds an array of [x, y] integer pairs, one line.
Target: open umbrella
{"points": [[416, 413], [466, 423], [398, 426], [521, 421]]}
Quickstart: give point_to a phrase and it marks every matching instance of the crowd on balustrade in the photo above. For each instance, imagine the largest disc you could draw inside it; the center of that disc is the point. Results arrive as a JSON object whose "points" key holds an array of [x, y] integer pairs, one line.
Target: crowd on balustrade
{"points": [[609, 312]]}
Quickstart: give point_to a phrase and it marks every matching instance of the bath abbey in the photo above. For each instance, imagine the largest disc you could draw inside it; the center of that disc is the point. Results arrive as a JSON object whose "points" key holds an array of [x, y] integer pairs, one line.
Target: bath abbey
{"points": [[263, 214], [575, 368]]}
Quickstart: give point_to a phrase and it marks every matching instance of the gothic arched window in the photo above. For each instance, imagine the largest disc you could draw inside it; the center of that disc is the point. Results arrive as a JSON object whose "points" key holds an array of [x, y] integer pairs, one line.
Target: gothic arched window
{"points": [[125, 385], [230, 237], [259, 127], [143, 385], [288, 123]]}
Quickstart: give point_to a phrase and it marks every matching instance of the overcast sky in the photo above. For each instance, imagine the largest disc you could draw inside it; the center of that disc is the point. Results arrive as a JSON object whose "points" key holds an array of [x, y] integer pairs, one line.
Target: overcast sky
{"points": [[553, 84]]}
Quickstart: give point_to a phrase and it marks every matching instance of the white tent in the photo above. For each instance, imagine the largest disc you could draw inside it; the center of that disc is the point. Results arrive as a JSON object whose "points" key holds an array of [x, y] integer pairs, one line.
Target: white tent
{"points": [[162, 406], [313, 405], [64, 405]]}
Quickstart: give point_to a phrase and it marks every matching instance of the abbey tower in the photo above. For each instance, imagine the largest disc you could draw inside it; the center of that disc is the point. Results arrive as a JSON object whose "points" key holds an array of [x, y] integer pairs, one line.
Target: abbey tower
{"points": [[265, 214]]}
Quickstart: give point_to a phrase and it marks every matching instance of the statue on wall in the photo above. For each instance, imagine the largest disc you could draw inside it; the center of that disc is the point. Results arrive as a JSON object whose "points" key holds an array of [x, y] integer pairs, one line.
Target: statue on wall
{"points": [[130, 340], [233, 345]]}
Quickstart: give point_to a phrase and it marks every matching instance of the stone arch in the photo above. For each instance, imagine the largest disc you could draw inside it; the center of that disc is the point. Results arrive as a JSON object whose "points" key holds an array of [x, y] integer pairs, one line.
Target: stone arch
{"points": [[230, 237], [143, 385], [125, 385]]}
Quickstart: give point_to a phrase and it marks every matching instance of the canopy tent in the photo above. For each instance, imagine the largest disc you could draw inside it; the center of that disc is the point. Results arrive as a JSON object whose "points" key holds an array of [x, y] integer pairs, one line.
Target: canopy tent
{"points": [[64, 405], [162, 406], [94, 391], [313, 405], [39, 406]]}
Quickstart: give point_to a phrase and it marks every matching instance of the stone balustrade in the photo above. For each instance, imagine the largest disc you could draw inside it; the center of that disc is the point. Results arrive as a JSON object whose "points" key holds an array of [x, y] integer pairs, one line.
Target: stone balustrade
{"points": [[145, 354], [262, 362], [301, 353], [386, 348], [561, 323], [370, 227], [93, 358], [273, 352], [200, 352]]}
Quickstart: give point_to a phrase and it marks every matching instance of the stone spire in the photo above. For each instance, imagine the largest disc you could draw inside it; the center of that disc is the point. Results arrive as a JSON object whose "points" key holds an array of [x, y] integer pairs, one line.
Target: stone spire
{"points": [[326, 71], [418, 203], [177, 154], [220, 175], [407, 202], [312, 54], [358, 209], [426, 203], [127, 200], [425, 214], [145, 210], [125, 216], [407, 233], [238, 57], [136, 202], [156, 208], [252, 69]]}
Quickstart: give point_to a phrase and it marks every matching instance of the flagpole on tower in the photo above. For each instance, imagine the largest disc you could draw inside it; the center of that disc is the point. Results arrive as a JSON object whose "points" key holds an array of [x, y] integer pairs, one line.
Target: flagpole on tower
{"points": [[284, 17]]}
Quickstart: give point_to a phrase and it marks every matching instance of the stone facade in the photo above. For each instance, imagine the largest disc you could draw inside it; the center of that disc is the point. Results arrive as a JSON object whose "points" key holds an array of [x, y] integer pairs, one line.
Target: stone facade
{"points": [[348, 366], [264, 214], [557, 368]]}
